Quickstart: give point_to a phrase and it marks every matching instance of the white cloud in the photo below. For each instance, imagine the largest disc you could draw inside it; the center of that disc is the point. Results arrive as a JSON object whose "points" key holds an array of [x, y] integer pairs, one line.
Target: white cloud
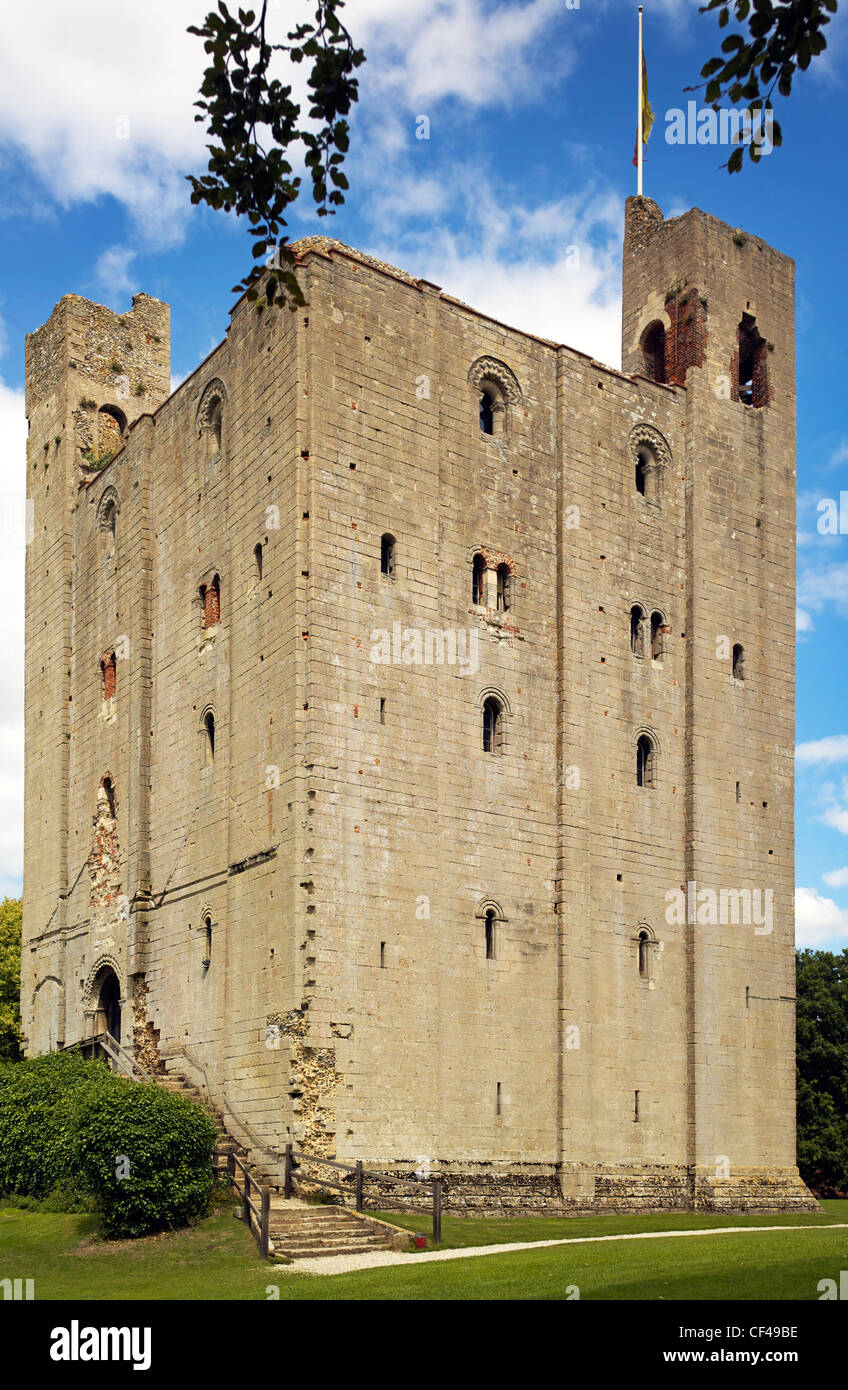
{"points": [[112, 273], [819, 922], [827, 585], [837, 818], [803, 621], [102, 104], [423, 51], [836, 878], [833, 749]]}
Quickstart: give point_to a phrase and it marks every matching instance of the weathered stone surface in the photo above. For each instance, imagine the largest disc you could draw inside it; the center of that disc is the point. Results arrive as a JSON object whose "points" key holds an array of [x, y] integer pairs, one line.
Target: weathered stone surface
{"points": [[330, 906]]}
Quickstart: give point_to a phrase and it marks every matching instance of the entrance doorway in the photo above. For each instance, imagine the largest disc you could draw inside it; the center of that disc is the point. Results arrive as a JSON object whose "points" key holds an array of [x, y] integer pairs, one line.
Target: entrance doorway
{"points": [[107, 1019]]}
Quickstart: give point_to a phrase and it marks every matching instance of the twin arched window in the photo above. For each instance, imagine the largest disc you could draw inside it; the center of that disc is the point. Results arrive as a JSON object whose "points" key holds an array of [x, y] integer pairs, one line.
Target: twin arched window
{"points": [[641, 629]]}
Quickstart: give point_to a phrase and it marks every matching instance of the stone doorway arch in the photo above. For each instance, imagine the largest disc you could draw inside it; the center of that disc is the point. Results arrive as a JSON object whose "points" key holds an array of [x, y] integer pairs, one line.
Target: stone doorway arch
{"points": [[107, 1013]]}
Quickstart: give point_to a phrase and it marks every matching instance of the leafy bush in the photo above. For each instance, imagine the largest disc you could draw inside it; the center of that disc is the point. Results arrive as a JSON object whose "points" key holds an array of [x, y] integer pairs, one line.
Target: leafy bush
{"points": [[39, 1099], [146, 1155], [73, 1135]]}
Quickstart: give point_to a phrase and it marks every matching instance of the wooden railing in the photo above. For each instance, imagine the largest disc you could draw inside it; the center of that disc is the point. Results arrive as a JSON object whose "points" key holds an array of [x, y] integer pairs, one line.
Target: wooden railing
{"points": [[257, 1218], [104, 1045], [355, 1185]]}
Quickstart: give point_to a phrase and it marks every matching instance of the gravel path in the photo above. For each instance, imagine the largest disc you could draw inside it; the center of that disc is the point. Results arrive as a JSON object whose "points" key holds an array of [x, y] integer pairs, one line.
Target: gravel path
{"points": [[377, 1259]]}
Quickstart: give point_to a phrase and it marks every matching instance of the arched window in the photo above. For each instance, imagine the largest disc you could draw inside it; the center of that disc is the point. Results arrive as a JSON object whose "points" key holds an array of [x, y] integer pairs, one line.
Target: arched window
{"points": [[478, 581], [210, 599], [216, 424], [738, 662], [492, 408], [492, 725], [645, 761], [207, 942], [752, 386], [504, 586], [388, 546], [637, 630], [647, 475], [111, 428], [109, 675], [210, 416], [644, 954], [108, 522], [653, 351], [257, 559], [657, 637], [209, 738], [489, 933], [109, 793]]}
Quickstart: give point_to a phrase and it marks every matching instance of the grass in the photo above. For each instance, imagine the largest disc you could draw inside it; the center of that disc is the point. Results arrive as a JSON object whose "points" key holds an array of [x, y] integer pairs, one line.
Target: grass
{"points": [[217, 1260], [461, 1232]]}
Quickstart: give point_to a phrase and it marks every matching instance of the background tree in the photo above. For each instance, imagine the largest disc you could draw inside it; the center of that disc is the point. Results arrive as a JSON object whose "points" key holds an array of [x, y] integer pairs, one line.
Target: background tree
{"points": [[822, 1060], [10, 979], [783, 37], [254, 123]]}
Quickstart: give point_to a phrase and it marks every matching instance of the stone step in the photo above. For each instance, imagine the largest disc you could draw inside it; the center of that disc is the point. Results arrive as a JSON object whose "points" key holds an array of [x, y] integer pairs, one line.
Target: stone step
{"points": [[319, 1252]]}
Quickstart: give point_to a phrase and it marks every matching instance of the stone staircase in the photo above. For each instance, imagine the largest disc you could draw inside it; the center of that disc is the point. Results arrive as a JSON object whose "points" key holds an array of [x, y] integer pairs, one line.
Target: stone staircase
{"points": [[301, 1231], [176, 1082], [298, 1229]]}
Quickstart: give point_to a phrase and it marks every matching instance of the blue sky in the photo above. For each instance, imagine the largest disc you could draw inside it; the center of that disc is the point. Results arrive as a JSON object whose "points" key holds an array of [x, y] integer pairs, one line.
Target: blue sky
{"points": [[531, 110]]}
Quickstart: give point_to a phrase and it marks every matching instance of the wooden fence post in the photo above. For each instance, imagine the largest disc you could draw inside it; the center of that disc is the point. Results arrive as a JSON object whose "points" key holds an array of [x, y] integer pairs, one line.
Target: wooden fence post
{"points": [[265, 1226], [359, 1201], [246, 1195], [437, 1211]]}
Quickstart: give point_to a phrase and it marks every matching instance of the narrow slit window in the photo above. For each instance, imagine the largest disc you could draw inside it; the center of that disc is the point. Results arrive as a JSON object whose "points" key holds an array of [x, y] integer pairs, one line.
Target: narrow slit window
{"points": [[257, 559], [644, 949], [738, 662], [478, 581], [382, 709], [490, 934], [382, 955], [504, 583], [209, 738], [387, 555]]}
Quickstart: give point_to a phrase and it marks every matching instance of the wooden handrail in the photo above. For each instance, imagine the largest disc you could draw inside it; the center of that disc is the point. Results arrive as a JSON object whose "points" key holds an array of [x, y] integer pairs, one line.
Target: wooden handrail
{"points": [[261, 1213], [359, 1174]]}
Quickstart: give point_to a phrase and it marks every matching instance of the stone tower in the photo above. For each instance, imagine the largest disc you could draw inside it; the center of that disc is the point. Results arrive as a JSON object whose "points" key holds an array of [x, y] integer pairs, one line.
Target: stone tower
{"points": [[90, 374], [397, 688]]}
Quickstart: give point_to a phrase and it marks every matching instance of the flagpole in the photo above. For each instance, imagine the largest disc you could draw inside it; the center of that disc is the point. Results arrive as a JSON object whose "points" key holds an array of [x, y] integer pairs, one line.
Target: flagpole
{"points": [[639, 144]]}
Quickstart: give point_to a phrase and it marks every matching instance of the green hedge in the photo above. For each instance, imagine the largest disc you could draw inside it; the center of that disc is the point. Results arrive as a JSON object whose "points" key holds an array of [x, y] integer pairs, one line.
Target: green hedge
{"points": [[142, 1153], [146, 1156]]}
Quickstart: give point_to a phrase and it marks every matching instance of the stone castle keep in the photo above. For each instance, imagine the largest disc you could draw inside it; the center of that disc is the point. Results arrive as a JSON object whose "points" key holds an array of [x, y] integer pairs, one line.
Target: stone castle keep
{"points": [[386, 681]]}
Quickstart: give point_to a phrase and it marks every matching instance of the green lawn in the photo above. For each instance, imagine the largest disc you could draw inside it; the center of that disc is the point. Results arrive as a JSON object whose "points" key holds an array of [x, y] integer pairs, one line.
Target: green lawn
{"points": [[218, 1260], [459, 1232]]}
